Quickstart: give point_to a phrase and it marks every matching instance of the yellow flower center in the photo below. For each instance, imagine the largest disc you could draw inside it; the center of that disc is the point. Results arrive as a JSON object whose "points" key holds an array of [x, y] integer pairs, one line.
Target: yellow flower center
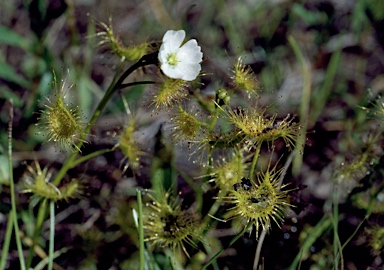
{"points": [[172, 59]]}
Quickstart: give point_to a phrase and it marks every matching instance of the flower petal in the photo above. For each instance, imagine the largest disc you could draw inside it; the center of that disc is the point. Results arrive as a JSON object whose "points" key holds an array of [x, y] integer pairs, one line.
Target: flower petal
{"points": [[171, 71], [190, 52], [173, 39], [188, 71]]}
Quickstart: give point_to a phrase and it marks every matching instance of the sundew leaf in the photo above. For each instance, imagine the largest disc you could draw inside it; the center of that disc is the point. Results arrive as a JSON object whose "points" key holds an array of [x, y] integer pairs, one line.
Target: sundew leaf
{"points": [[10, 37], [9, 74]]}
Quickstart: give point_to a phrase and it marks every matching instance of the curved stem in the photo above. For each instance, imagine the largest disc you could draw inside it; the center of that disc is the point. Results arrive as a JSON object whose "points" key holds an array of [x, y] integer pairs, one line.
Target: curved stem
{"points": [[145, 60], [313, 235], [125, 85], [91, 155], [230, 244], [254, 161], [212, 211]]}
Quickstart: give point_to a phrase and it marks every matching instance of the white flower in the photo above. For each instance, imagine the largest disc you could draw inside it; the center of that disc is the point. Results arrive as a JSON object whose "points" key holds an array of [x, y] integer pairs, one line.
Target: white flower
{"points": [[180, 62]]}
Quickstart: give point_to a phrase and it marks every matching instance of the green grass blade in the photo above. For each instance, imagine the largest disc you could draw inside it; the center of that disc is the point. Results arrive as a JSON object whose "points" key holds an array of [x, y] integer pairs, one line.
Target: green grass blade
{"points": [[141, 229], [316, 232], [323, 93], [12, 190], [10, 37], [9, 74], [51, 234], [5, 247], [304, 107]]}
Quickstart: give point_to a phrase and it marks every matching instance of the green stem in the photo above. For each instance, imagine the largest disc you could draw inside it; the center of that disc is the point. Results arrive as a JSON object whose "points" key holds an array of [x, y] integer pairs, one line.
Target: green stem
{"points": [[259, 246], [214, 119], [204, 103], [312, 236], [7, 240], [196, 188], [89, 156], [141, 230], [224, 248], [39, 223], [254, 161], [239, 157], [51, 234], [212, 211], [12, 190], [353, 234], [208, 250], [337, 249], [41, 265]]}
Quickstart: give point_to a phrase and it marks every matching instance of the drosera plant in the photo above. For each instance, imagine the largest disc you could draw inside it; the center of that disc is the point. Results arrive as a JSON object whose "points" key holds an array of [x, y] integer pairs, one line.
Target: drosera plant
{"points": [[226, 139]]}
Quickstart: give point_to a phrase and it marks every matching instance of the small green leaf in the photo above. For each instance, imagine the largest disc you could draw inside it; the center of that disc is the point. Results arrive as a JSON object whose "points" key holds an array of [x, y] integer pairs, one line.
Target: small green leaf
{"points": [[309, 17]]}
